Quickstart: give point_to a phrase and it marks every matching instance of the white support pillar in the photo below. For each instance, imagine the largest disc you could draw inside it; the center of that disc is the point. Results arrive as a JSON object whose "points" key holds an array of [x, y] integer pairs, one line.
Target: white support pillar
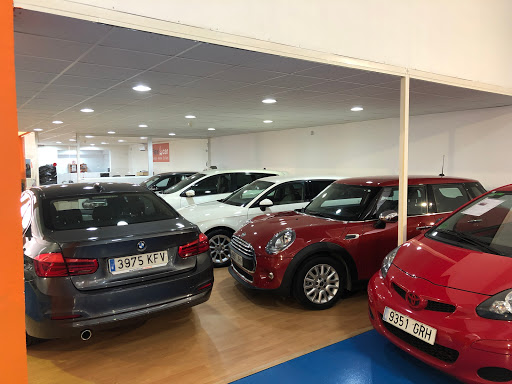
{"points": [[209, 150], [404, 159], [150, 156], [77, 158]]}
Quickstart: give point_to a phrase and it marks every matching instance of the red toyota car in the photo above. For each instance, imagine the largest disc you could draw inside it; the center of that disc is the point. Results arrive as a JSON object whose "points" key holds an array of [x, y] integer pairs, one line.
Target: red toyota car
{"points": [[446, 296], [340, 237]]}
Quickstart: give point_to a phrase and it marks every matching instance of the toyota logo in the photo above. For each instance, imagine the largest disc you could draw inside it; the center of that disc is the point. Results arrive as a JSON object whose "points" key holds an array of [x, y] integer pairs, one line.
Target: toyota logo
{"points": [[141, 245], [414, 300]]}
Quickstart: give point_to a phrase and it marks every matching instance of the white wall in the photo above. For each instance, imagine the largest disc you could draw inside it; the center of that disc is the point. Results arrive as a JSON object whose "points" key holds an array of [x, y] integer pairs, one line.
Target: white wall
{"points": [[475, 144], [137, 159], [467, 39], [184, 155]]}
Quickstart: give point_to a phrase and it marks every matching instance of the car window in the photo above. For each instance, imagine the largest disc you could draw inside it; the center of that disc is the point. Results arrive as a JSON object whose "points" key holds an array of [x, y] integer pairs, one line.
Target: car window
{"points": [[287, 193], [184, 183], [246, 194], [114, 209], [416, 201], [162, 183], [449, 197], [241, 179], [256, 176], [214, 184], [314, 187], [475, 189]]}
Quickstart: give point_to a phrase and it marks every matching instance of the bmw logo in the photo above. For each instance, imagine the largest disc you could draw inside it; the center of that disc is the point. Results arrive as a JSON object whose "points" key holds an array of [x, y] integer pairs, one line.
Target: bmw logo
{"points": [[141, 245]]}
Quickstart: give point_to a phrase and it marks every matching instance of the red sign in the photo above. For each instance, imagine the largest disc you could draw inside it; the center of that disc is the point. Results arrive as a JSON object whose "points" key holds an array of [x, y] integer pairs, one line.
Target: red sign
{"points": [[161, 153]]}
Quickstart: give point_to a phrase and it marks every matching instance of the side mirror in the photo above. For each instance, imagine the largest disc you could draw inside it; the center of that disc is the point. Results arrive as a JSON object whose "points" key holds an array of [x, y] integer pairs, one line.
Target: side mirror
{"points": [[190, 193], [386, 217], [265, 203], [28, 232]]}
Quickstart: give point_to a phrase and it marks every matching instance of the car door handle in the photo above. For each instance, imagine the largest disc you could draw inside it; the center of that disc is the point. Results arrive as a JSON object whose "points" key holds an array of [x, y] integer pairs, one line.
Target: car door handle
{"points": [[424, 227]]}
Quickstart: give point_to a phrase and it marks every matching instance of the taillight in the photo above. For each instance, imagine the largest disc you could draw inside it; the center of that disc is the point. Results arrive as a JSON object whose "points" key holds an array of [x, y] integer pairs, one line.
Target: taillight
{"points": [[194, 248], [54, 265]]}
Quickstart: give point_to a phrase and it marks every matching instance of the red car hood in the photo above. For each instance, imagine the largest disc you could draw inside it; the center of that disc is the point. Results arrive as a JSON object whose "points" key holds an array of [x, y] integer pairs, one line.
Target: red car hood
{"points": [[260, 230], [455, 267]]}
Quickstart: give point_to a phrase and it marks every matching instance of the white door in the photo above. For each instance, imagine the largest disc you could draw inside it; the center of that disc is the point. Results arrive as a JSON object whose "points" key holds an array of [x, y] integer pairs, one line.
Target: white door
{"points": [[211, 188]]}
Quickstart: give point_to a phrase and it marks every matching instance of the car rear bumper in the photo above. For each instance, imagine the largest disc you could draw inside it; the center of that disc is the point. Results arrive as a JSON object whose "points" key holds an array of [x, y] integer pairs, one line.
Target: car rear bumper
{"points": [[107, 308], [467, 346]]}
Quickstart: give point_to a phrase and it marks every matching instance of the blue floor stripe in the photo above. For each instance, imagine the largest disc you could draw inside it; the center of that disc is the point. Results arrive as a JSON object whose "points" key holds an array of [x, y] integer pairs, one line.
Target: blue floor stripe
{"points": [[363, 359]]}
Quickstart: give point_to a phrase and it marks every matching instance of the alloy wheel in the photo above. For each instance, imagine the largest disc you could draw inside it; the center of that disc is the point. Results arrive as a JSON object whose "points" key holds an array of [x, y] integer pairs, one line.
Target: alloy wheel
{"points": [[321, 283]]}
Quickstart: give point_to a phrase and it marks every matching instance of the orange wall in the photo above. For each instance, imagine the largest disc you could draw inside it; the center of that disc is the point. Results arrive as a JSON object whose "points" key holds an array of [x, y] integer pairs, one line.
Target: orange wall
{"points": [[13, 359]]}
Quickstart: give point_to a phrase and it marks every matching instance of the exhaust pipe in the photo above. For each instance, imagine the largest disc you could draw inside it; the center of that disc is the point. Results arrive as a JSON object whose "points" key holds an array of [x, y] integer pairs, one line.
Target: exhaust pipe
{"points": [[86, 334]]}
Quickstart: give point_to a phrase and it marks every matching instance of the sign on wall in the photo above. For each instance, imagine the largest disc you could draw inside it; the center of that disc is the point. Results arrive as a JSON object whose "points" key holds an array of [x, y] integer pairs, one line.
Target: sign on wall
{"points": [[161, 153]]}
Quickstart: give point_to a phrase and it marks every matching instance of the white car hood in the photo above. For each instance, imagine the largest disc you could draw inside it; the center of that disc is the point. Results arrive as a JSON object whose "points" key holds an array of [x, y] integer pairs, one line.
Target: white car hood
{"points": [[214, 210]]}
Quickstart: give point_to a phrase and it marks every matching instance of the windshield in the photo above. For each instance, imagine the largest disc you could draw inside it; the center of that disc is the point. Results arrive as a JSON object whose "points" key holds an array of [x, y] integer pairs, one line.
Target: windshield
{"points": [[184, 183], [113, 209], [342, 202], [149, 182], [245, 195], [485, 225]]}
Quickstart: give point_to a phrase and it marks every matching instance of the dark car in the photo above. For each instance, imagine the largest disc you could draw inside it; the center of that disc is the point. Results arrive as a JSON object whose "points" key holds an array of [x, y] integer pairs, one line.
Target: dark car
{"points": [[341, 236], [162, 181], [97, 254]]}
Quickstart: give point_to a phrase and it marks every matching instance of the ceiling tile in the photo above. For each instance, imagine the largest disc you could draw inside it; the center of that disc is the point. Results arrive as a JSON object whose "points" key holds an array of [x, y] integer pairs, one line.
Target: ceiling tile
{"points": [[101, 71], [332, 86], [29, 63], [329, 72], [220, 54], [45, 47], [246, 75], [191, 67], [293, 81], [279, 64], [122, 58], [87, 82]]}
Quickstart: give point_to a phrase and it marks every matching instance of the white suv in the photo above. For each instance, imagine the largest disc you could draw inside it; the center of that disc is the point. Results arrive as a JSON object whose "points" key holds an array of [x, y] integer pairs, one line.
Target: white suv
{"points": [[220, 219], [211, 185]]}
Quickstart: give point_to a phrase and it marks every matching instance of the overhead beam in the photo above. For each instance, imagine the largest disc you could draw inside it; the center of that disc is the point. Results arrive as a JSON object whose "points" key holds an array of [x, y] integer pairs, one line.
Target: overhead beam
{"points": [[403, 159]]}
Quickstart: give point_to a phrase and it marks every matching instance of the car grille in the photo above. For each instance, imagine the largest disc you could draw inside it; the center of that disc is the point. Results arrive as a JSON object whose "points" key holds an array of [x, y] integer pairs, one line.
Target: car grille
{"points": [[244, 249], [435, 306], [437, 351], [247, 276]]}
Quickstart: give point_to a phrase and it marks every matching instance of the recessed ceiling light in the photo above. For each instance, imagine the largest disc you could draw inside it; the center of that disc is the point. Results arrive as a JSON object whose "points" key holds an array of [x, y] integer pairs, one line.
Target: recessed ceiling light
{"points": [[143, 125], [92, 144], [190, 117], [103, 143], [87, 110], [269, 101], [89, 136], [120, 141], [267, 121], [57, 122], [172, 134], [143, 138], [211, 129], [357, 108], [38, 129], [141, 88], [111, 132], [72, 139], [59, 142]]}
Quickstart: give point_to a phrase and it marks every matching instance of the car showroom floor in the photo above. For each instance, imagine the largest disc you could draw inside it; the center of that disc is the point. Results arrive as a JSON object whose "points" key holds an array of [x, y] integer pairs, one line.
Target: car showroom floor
{"points": [[235, 334]]}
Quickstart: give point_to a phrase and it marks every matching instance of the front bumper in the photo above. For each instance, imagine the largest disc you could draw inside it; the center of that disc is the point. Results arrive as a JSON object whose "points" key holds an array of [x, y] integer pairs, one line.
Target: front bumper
{"points": [[467, 346]]}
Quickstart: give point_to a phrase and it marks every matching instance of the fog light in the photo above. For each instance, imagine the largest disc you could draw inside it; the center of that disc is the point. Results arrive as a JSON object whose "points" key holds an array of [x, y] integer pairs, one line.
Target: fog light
{"points": [[271, 276]]}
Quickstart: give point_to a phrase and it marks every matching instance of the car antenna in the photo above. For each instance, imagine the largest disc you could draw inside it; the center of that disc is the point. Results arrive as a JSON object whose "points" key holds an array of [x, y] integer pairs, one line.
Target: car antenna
{"points": [[442, 169]]}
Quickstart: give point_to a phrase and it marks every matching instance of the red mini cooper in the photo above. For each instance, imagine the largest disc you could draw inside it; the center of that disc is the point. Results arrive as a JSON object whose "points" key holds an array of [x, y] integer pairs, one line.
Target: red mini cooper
{"points": [[446, 296], [340, 237]]}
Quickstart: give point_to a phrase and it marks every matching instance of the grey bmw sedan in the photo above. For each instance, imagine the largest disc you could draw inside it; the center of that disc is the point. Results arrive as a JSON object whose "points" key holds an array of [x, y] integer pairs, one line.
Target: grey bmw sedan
{"points": [[98, 254]]}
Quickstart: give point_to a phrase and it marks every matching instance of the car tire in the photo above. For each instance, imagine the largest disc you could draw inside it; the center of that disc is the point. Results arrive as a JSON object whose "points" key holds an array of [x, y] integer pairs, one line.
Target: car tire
{"points": [[30, 340], [219, 247], [320, 282]]}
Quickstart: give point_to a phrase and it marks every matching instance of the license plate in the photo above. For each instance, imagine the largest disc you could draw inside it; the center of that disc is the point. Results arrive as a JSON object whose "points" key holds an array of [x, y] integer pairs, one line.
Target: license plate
{"points": [[237, 258], [137, 262], [411, 326]]}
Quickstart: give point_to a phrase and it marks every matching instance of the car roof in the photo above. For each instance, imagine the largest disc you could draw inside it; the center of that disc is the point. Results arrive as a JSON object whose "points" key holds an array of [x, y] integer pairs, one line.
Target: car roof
{"points": [[77, 189], [386, 181], [220, 171], [175, 173], [286, 178], [505, 188]]}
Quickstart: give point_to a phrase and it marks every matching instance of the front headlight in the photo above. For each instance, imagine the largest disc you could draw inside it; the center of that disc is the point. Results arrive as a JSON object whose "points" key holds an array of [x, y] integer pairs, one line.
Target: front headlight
{"points": [[280, 241], [388, 260], [498, 307]]}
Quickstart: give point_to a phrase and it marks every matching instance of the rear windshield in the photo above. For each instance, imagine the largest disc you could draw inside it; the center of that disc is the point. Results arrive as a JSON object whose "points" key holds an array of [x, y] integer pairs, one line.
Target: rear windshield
{"points": [[105, 210], [184, 183]]}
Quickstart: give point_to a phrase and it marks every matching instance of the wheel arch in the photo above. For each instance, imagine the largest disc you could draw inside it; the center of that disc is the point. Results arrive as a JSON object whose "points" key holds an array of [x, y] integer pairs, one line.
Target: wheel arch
{"points": [[329, 249], [219, 227]]}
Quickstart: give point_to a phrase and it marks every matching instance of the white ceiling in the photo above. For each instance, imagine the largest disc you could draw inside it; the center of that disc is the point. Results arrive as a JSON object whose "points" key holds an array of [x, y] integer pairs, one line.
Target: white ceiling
{"points": [[64, 64]]}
